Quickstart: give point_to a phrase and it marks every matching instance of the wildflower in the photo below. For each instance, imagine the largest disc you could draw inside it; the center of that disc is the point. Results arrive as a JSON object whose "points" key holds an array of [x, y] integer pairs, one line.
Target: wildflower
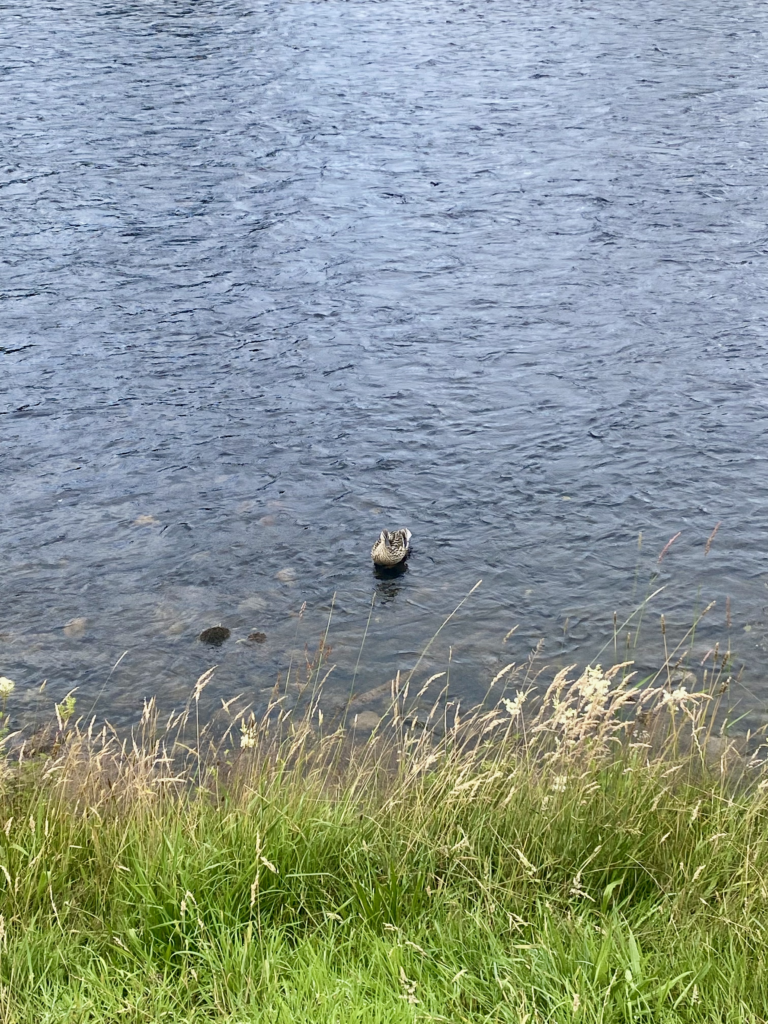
{"points": [[248, 733], [514, 707], [563, 714], [593, 684], [678, 697], [559, 784], [7, 687]]}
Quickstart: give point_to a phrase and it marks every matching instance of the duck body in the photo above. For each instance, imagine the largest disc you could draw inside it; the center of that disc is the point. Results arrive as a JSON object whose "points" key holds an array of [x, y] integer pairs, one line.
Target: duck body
{"points": [[392, 547]]}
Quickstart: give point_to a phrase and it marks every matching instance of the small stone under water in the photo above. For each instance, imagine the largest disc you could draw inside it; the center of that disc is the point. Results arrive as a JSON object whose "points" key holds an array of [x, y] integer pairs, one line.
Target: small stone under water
{"points": [[256, 637], [75, 627], [215, 635]]}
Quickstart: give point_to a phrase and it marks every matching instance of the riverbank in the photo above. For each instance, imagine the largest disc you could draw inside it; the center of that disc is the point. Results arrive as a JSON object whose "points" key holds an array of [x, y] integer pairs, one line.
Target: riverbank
{"points": [[598, 853]]}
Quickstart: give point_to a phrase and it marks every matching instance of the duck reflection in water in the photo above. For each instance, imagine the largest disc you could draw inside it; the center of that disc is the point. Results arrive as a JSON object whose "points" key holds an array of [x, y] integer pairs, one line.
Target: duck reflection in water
{"points": [[390, 579]]}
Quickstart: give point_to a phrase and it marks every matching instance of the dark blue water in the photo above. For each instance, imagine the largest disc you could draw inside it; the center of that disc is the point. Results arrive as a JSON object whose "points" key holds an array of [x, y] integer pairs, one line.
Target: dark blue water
{"points": [[277, 275]]}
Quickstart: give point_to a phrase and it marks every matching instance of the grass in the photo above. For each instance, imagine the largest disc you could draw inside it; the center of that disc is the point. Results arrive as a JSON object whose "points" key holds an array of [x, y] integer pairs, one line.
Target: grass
{"points": [[596, 853]]}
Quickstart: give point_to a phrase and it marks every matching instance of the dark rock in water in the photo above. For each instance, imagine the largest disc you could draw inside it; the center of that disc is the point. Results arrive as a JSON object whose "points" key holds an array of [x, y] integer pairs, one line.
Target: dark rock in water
{"points": [[215, 635], [257, 638]]}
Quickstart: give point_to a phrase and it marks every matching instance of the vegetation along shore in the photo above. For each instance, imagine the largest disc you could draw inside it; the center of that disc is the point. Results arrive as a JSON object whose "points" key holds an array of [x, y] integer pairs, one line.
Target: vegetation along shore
{"points": [[584, 846]]}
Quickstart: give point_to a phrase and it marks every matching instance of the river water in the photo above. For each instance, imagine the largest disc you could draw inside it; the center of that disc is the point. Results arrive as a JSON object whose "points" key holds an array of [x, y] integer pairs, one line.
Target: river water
{"points": [[278, 275]]}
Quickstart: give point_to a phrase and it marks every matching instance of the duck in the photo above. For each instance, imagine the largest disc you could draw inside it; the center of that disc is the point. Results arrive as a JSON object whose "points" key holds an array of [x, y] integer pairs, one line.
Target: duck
{"points": [[392, 547]]}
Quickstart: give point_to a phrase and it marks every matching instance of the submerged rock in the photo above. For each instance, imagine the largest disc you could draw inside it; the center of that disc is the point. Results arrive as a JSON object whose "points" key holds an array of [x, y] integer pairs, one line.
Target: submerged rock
{"points": [[146, 520], [215, 635], [256, 637]]}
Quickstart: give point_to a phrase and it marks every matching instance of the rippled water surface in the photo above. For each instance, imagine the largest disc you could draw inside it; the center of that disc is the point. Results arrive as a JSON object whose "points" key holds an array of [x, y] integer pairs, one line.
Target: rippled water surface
{"points": [[277, 275]]}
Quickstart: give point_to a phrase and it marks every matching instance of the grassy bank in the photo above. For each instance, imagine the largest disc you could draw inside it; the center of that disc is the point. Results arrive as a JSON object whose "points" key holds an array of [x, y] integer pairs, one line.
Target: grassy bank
{"points": [[598, 854]]}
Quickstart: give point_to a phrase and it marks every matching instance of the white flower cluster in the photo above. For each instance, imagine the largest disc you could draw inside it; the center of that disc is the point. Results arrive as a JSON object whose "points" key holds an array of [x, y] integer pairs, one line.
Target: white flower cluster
{"points": [[514, 707], [593, 684], [248, 734], [7, 687], [678, 697]]}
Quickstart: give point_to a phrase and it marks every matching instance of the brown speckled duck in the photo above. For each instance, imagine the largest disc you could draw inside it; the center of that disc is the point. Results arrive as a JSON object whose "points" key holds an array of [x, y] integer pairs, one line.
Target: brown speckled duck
{"points": [[391, 548]]}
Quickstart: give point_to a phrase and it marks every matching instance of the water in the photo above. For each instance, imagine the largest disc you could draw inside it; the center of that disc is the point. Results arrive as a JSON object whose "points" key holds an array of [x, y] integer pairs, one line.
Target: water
{"points": [[277, 275]]}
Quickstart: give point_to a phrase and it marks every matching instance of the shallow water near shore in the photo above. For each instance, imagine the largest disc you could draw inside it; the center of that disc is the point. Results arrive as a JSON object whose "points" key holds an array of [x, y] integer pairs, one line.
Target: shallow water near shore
{"points": [[279, 275]]}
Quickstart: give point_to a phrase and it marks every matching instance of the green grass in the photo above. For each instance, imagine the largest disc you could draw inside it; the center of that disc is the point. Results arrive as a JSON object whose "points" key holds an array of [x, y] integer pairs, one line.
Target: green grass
{"points": [[593, 861]]}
